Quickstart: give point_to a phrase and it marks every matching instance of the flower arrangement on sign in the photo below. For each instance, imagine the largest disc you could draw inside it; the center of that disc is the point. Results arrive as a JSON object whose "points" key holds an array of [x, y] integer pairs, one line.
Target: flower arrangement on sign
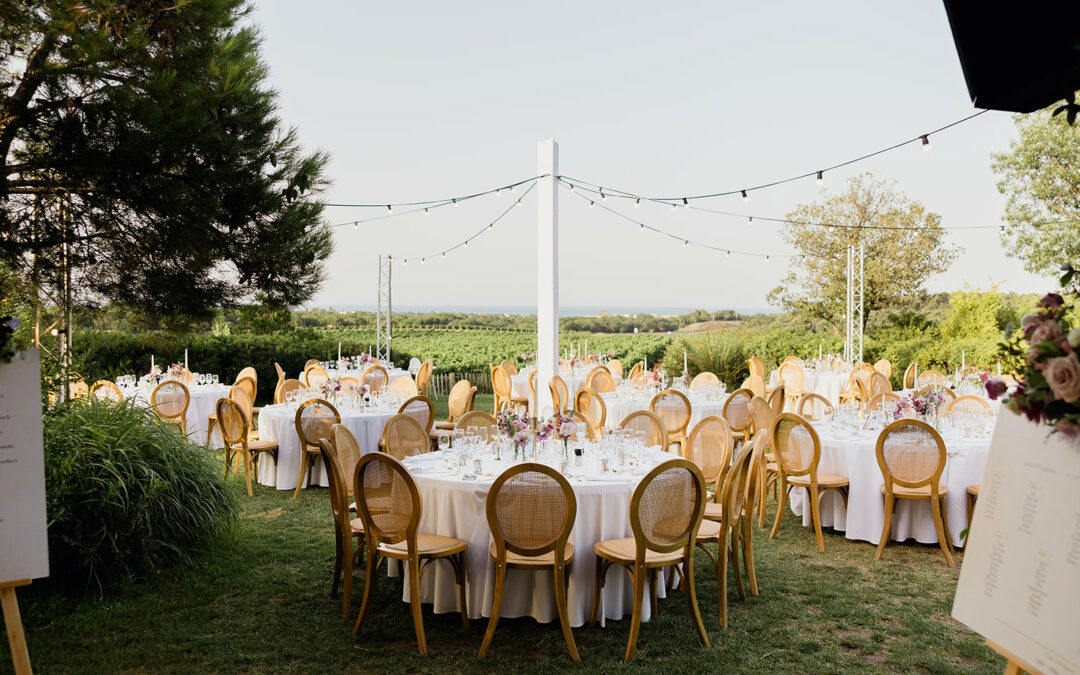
{"points": [[1048, 391]]}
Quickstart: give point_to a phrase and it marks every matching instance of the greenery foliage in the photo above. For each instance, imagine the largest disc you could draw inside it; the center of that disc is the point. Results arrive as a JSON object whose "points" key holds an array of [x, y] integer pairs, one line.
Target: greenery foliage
{"points": [[126, 494]]}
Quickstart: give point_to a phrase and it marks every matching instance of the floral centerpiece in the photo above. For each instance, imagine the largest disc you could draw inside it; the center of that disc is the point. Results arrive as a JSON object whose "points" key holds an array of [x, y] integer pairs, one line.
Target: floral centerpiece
{"points": [[176, 371], [657, 378], [1048, 391], [515, 427], [611, 355], [528, 358], [925, 405], [330, 388]]}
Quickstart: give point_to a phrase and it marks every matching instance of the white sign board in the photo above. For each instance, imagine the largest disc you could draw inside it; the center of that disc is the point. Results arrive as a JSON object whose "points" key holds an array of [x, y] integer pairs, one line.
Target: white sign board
{"points": [[24, 549], [1020, 582]]}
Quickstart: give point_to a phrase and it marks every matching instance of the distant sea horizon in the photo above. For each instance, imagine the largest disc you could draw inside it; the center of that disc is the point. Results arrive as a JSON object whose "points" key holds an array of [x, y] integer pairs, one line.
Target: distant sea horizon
{"points": [[526, 310]]}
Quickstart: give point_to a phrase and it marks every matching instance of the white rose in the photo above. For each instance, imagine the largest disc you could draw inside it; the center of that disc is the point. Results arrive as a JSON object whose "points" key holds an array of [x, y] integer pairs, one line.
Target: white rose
{"points": [[1074, 338]]}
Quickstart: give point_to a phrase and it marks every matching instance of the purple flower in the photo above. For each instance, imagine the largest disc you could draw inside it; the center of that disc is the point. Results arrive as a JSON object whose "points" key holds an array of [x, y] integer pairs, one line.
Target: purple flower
{"points": [[996, 388], [1067, 428], [1051, 301], [13, 323]]}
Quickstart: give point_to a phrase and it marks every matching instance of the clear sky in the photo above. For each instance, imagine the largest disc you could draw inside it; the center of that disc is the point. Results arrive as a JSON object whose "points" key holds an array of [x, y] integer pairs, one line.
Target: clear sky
{"points": [[424, 100]]}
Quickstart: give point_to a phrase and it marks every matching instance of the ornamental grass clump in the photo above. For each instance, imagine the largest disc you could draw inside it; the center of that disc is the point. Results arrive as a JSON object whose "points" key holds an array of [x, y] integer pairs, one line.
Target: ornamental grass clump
{"points": [[127, 494]]}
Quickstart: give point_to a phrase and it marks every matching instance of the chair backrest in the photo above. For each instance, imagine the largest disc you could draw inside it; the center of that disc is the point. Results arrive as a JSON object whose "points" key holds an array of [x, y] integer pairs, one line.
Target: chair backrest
{"points": [[884, 397], [462, 395], [879, 384], [531, 510], [339, 492], [232, 421], [756, 384], [315, 376], [636, 370], [387, 499], [500, 383], [310, 362], [777, 400], [732, 492], [375, 377], [931, 378], [590, 428], [704, 380], [414, 366], [600, 380], [509, 366], [591, 405], [757, 367], [884, 366], [313, 421], [946, 393], [170, 401], [421, 409], [240, 396], [354, 382], [861, 374], [404, 437], [614, 367], [560, 395], [248, 385], [478, 418], [533, 374], [737, 410], [909, 375], [423, 376], [106, 391], [655, 431], [807, 408], [971, 404], [280, 374], [797, 446], [673, 408], [911, 454], [404, 386], [709, 446], [248, 371], [666, 508], [791, 375], [286, 386], [761, 413], [348, 451], [78, 389], [862, 390]]}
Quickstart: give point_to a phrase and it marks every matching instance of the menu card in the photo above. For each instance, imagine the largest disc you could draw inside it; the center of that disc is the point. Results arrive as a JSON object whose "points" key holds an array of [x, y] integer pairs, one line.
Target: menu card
{"points": [[1020, 582], [24, 552]]}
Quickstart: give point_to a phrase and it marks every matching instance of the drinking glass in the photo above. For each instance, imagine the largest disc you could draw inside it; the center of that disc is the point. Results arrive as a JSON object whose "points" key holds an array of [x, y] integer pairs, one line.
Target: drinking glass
{"points": [[215, 379], [483, 436], [444, 444], [459, 438]]}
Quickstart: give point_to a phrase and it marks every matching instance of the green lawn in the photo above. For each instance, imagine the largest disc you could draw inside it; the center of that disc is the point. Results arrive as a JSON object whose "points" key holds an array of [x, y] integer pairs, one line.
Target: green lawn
{"points": [[259, 602]]}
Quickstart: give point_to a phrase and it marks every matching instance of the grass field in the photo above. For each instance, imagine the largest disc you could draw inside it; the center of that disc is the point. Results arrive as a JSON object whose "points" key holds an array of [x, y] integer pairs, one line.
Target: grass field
{"points": [[259, 602]]}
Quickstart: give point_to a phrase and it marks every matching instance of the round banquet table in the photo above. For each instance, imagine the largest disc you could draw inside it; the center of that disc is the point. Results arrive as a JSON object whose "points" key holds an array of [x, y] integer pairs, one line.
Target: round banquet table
{"points": [[202, 402], [455, 507], [392, 374], [619, 405], [854, 457], [575, 381], [278, 423], [827, 383]]}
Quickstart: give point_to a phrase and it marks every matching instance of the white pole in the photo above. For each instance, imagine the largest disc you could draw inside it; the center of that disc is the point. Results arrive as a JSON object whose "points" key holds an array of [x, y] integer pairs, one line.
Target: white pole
{"points": [[547, 271]]}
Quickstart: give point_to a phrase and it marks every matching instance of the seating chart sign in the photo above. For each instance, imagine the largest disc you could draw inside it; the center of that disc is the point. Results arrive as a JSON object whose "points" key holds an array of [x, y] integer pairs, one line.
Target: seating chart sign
{"points": [[1020, 582], [24, 552]]}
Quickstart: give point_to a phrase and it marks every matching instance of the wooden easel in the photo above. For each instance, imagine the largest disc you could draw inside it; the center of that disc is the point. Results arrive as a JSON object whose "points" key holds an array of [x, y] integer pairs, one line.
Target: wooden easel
{"points": [[16, 637], [1014, 666]]}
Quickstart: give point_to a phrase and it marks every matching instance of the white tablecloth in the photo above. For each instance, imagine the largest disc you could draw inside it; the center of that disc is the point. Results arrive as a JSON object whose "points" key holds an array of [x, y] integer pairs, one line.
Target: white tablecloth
{"points": [[278, 423], [202, 404], [575, 381], [392, 373], [854, 457], [456, 508], [620, 405], [827, 383]]}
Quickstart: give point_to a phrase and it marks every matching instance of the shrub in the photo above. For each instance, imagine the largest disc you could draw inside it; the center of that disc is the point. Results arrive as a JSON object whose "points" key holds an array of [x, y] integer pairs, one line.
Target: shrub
{"points": [[126, 494], [722, 353]]}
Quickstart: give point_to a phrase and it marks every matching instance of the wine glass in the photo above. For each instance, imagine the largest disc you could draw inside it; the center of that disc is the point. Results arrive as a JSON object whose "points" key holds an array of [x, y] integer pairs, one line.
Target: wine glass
{"points": [[444, 444], [459, 438]]}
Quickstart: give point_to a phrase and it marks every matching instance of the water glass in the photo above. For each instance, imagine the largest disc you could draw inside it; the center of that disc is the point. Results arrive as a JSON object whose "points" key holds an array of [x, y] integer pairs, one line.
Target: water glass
{"points": [[444, 443]]}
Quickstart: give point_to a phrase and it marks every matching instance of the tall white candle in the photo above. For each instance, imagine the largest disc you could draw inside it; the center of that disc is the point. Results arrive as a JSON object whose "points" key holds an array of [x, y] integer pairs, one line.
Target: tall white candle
{"points": [[684, 368], [916, 384], [586, 347], [963, 359], [185, 360], [646, 361], [339, 350], [819, 350], [151, 363]]}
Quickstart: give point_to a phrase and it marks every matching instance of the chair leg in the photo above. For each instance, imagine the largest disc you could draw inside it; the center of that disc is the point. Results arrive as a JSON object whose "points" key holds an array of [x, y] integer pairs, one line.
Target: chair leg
{"points": [[971, 509], [746, 531], [338, 557], [639, 601], [945, 525], [733, 553], [247, 472], [691, 596], [815, 516], [458, 562], [369, 585], [564, 616], [886, 531], [760, 490], [210, 429], [652, 591], [935, 508], [496, 605], [346, 566], [414, 604], [721, 575], [305, 458], [598, 585], [780, 506]]}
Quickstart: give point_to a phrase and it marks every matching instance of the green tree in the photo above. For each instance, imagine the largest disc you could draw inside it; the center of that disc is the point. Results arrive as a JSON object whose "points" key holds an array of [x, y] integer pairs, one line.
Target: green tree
{"points": [[1040, 175], [142, 161], [904, 246], [973, 314]]}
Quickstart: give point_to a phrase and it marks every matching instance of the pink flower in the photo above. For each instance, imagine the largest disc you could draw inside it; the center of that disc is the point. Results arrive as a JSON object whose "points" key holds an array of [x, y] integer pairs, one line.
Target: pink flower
{"points": [[1048, 330], [1028, 319], [1066, 347], [995, 389], [1063, 376]]}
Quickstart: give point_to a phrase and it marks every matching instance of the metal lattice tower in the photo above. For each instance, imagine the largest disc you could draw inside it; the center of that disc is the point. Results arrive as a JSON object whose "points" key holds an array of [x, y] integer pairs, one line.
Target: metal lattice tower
{"points": [[856, 287], [382, 318]]}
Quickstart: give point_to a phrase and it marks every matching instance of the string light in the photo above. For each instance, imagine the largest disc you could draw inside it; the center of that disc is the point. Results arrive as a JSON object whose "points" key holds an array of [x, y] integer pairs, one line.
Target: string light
{"points": [[820, 177], [571, 187], [685, 203], [686, 242], [423, 259], [637, 202], [925, 142], [441, 202], [602, 195], [745, 197], [426, 213], [455, 201], [592, 204], [356, 225]]}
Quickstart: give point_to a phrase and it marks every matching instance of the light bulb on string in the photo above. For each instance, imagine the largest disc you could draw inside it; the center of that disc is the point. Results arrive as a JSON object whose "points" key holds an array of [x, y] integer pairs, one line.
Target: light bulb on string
{"points": [[426, 213], [404, 261], [727, 254], [641, 228], [673, 206], [637, 202], [685, 242], [519, 200], [749, 219], [466, 243], [422, 260], [591, 203], [511, 188], [388, 209], [685, 203], [454, 200], [444, 254], [820, 177], [766, 258], [356, 225], [572, 187], [925, 142], [745, 197], [602, 195]]}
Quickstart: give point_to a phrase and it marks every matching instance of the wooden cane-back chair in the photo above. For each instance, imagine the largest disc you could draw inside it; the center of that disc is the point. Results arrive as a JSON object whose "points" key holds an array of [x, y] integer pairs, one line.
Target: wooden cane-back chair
{"points": [[281, 376], [232, 421], [460, 402], [403, 386], [421, 409], [502, 387], [313, 421], [600, 380], [345, 528], [404, 437], [862, 375], [240, 395], [665, 515], [909, 375], [757, 367], [375, 377], [884, 366], [170, 401], [350, 382], [704, 380], [931, 378], [636, 370], [423, 377], [656, 434], [248, 371], [287, 386], [315, 376], [591, 405], [762, 415], [390, 507], [798, 450], [756, 384], [946, 393], [814, 407], [885, 397], [778, 400], [911, 455], [103, 390], [478, 418], [879, 384], [791, 377], [509, 366], [592, 432], [311, 362], [968, 404], [614, 367], [709, 447], [348, 451], [737, 413], [560, 395], [531, 510], [673, 408], [78, 389]]}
